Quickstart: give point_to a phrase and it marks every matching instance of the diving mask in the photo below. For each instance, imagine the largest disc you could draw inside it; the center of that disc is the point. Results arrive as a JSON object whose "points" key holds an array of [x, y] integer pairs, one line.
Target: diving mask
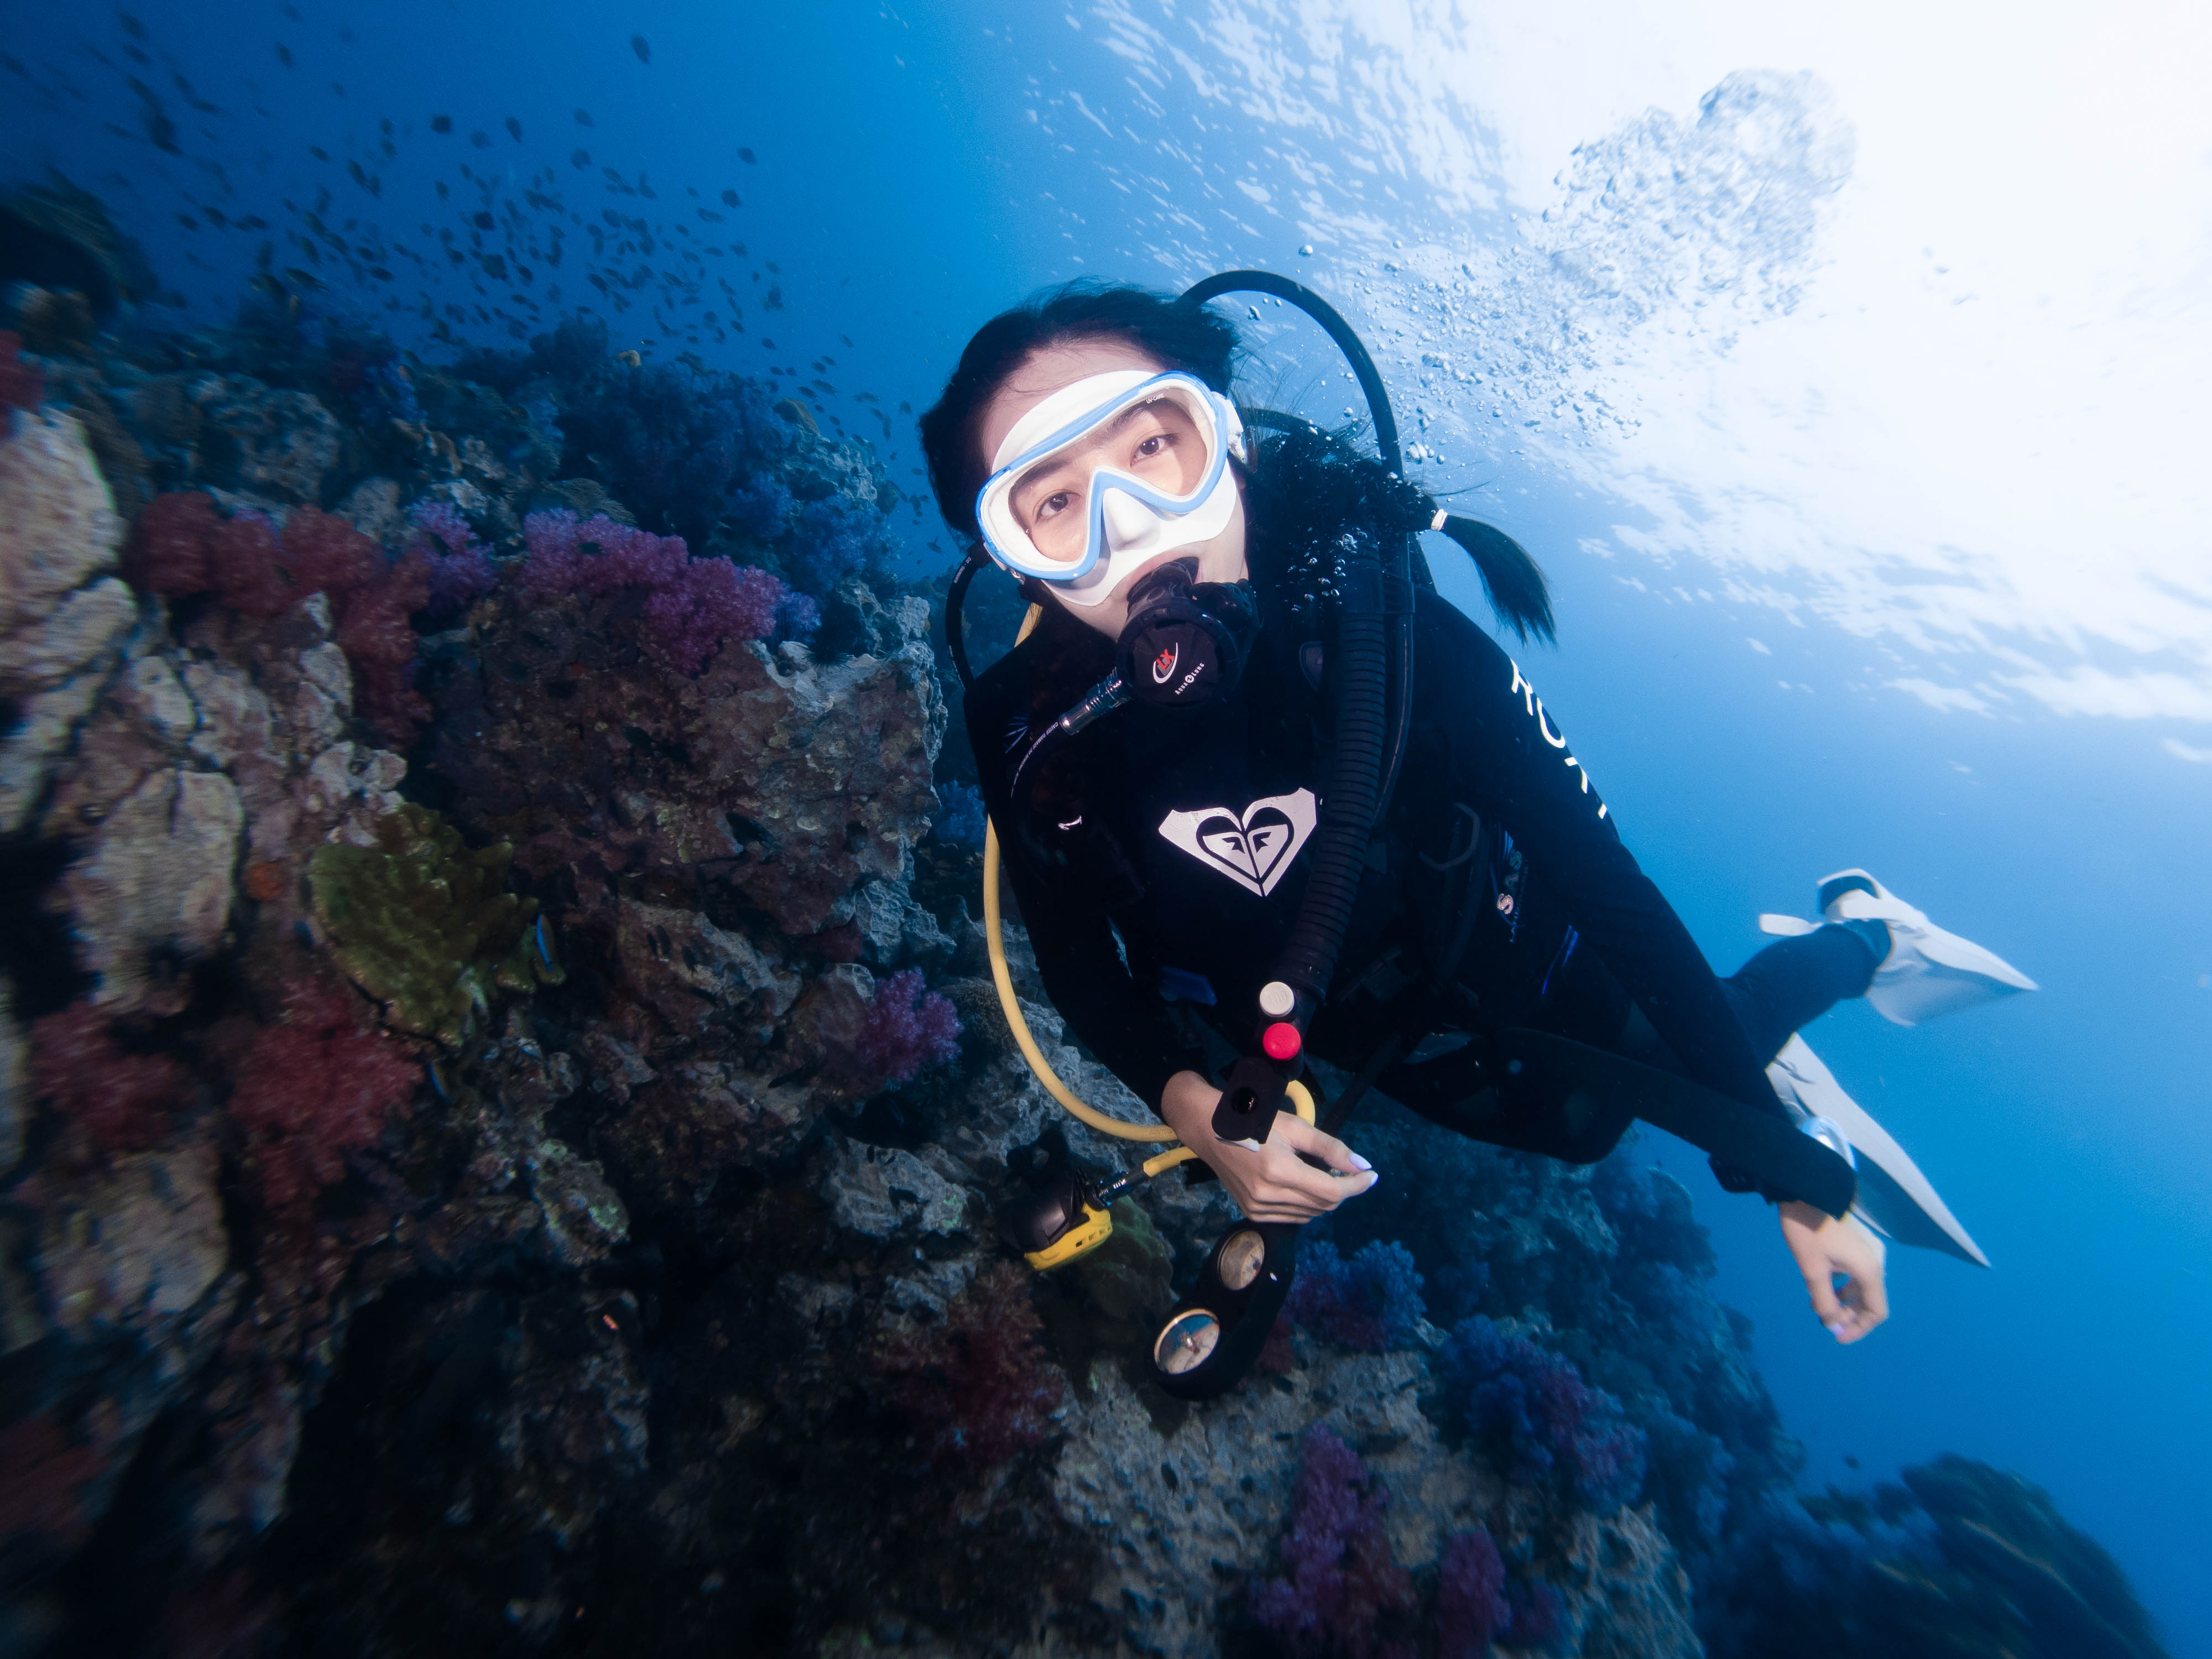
{"points": [[1108, 472]]}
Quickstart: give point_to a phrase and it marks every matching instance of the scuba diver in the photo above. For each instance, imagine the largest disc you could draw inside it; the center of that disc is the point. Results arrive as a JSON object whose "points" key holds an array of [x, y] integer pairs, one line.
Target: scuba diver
{"points": [[1264, 798]]}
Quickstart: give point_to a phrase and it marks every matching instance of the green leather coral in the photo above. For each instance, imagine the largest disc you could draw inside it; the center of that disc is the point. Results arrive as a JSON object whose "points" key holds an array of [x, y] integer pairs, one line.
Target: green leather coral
{"points": [[425, 926]]}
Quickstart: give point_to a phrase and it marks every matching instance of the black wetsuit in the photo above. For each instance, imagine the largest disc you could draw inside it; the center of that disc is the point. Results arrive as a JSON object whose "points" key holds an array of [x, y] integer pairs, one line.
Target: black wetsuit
{"points": [[1159, 859]]}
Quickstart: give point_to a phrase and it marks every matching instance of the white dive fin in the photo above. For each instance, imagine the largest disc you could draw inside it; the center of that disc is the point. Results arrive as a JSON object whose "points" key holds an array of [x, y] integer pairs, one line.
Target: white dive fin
{"points": [[1928, 971], [1894, 1198], [1786, 926]]}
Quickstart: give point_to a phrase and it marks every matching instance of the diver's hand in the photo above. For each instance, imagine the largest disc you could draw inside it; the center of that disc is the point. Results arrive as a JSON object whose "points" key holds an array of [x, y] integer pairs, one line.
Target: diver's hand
{"points": [[1271, 1183], [1824, 1247]]}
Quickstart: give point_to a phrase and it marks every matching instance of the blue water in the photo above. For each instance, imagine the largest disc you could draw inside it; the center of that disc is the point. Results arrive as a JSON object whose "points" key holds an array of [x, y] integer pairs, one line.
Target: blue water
{"points": [[915, 169]]}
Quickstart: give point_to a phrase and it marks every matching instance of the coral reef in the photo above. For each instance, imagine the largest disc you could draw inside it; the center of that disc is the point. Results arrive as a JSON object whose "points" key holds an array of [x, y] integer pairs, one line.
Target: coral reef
{"points": [[1961, 1559], [504, 1106], [181, 546]]}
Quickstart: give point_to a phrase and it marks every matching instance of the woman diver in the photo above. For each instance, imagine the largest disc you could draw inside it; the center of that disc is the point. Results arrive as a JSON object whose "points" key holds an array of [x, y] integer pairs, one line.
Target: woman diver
{"points": [[1187, 569]]}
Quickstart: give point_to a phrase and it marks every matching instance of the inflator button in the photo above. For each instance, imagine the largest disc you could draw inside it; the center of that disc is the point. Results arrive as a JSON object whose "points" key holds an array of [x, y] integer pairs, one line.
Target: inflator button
{"points": [[1281, 1041], [1277, 999]]}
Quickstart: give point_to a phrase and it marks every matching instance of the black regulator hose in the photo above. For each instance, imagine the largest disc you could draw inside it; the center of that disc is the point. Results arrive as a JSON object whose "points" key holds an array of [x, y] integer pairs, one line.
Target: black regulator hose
{"points": [[1355, 353], [956, 601]]}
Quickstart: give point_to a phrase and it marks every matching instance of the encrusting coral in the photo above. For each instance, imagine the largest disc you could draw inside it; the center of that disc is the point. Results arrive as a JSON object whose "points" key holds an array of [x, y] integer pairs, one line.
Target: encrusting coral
{"points": [[425, 925]]}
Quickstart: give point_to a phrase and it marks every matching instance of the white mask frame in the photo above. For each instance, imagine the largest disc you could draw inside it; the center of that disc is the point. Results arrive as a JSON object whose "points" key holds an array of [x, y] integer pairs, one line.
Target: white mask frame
{"points": [[1146, 521]]}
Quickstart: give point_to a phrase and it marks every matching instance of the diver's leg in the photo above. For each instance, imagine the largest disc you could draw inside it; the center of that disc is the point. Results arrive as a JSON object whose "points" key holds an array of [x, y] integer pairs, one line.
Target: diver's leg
{"points": [[1794, 982]]}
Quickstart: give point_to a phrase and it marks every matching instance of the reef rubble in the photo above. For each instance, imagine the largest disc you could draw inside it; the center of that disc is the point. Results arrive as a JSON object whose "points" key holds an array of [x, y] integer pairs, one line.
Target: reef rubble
{"points": [[503, 1119]]}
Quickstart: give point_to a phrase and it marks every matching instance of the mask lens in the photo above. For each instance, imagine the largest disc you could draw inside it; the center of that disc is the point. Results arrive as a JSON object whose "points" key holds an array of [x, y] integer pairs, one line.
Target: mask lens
{"points": [[1161, 441]]}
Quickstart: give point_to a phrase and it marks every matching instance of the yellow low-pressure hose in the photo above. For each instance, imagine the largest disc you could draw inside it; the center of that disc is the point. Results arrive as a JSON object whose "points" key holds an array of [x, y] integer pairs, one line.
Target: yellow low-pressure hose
{"points": [[1002, 976], [992, 934]]}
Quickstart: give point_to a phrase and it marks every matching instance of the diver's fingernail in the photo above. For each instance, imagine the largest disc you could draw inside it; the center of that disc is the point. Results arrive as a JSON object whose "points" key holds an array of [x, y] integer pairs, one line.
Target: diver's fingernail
{"points": [[1360, 1163]]}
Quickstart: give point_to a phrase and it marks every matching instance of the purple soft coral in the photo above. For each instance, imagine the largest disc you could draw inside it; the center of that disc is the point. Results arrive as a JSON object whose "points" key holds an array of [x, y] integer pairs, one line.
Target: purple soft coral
{"points": [[908, 1028], [1540, 1617], [1471, 1606], [1370, 1304], [695, 605], [461, 570], [1339, 1579], [1534, 1407], [711, 600], [594, 556]]}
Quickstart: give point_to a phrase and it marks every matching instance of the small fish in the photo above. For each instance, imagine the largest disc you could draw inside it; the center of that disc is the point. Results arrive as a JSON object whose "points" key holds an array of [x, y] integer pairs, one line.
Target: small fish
{"points": [[441, 123], [514, 128], [284, 54], [583, 118], [746, 156], [642, 48]]}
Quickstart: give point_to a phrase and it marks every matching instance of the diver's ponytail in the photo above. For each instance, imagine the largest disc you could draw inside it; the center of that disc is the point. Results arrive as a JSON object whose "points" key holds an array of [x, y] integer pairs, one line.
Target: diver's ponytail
{"points": [[1511, 578]]}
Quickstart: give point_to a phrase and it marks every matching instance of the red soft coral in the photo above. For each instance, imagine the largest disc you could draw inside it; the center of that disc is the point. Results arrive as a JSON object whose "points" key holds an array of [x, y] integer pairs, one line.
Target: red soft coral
{"points": [[168, 552], [246, 563], [314, 1089], [326, 555], [121, 1099], [21, 386], [45, 1473], [377, 640], [977, 1389], [180, 545]]}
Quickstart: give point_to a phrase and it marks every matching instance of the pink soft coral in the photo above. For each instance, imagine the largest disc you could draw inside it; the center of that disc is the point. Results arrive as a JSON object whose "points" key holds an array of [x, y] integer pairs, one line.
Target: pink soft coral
{"points": [[121, 1099], [312, 1089], [908, 1027]]}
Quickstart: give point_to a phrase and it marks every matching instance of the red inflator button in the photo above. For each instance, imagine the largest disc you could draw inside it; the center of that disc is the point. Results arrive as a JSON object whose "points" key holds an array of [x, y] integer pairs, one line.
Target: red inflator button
{"points": [[1281, 1041]]}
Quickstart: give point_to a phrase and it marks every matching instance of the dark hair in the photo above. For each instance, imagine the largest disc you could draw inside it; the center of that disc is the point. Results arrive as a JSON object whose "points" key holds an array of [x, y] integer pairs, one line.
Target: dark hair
{"points": [[1188, 337]]}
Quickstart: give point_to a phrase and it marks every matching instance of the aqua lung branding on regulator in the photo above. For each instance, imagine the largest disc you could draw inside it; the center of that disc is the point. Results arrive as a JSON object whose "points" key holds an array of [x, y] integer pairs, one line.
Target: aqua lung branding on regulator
{"points": [[1186, 641]]}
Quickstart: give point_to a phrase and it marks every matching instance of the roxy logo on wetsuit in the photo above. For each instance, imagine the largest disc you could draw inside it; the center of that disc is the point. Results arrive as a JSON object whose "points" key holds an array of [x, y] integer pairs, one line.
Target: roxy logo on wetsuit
{"points": [[1254, 847]]}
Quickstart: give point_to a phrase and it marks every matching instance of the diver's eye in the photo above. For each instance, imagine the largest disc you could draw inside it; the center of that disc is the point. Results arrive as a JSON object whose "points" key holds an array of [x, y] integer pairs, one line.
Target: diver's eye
{"points": [[1054, 504], [1155, 446]]}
